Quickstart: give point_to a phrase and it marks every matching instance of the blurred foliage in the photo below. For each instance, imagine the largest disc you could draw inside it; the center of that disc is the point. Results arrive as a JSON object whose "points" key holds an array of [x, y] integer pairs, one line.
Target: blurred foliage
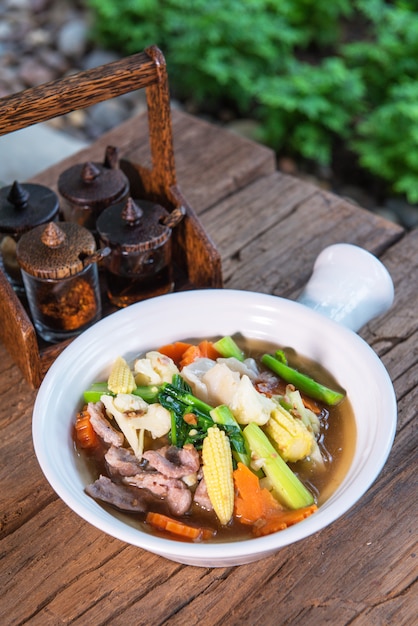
{"points": [[314, 73]]}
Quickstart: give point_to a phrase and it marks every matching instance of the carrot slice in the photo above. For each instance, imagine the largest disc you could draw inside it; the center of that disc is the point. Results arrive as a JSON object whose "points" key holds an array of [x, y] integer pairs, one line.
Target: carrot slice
{"points": [[309, 403], [184, 353], [175, 350], [176, 527], [85, 434], [281, 520], [190, 355], [256, 506], [208, 350], [252, 502]]}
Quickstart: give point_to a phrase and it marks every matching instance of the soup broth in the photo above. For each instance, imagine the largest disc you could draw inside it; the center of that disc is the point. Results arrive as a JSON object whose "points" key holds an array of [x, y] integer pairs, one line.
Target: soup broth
{"points": [[336, 442]]}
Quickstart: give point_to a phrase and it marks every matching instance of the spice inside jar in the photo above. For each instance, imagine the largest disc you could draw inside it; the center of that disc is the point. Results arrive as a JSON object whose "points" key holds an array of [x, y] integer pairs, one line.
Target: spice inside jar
{"points": [[59, 269]]}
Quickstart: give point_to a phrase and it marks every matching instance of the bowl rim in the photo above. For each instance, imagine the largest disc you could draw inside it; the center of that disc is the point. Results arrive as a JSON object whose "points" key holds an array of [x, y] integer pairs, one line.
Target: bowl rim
{"points": [[212, 552]]}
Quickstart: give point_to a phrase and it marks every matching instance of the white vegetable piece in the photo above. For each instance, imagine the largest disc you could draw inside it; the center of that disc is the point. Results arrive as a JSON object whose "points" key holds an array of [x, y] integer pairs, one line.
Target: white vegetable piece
{"points": [[308, 417], [124, 422], [154, 369], [126, 402], [221, 383], [248, 405], [248, 366], [157, 421], [193, 375], [133, 416]]}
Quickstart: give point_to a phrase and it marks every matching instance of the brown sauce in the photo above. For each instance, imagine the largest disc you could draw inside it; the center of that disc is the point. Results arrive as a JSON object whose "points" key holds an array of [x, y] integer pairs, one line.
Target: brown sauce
{"points": [[336, 441]]}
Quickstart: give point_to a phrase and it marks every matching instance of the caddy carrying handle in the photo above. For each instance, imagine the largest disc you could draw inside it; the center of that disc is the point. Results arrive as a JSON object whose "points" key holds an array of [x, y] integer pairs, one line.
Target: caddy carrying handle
{"points": [[145, 69]]}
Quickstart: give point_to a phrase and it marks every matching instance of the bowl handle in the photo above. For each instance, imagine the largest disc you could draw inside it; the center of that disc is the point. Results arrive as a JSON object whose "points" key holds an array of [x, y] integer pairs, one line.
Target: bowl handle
{"points": [[349, 285]]}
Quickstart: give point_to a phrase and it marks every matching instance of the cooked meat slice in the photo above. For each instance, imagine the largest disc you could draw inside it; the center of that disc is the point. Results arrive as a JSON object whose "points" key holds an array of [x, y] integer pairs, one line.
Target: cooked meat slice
{"points": [[122, 497], [102, 426], [122, 462], [174, 462], [201, 496], [177, 496]]}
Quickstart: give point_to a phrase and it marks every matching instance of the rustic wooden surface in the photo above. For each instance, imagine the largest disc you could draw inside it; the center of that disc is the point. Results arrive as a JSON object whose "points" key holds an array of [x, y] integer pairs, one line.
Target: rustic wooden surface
{"points": [[57, 569]]}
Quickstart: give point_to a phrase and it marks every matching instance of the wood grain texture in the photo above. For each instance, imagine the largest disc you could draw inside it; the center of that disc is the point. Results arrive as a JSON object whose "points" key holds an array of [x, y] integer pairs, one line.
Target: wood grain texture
{"points": [[270, 232], [18, 334], [76, 91], [361, 570]]}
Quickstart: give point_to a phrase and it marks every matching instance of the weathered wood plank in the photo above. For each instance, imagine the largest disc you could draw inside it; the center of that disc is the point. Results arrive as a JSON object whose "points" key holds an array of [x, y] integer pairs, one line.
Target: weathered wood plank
{"points": [[282, 227]]}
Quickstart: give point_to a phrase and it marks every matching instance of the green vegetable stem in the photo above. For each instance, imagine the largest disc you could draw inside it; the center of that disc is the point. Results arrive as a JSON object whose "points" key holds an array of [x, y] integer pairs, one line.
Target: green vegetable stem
{"points": [[227, 347], [287, 487], [97, 390], [302, 382]]}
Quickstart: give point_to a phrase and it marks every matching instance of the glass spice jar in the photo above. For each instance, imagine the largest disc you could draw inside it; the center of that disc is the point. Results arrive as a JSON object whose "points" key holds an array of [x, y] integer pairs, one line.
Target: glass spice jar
{"points": [[22, 207], [59, 268], [88, 188], [138, 234]]}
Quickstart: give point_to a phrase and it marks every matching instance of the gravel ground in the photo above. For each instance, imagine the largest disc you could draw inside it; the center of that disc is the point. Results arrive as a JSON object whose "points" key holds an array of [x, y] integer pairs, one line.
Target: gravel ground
{"points": [[43, 40]]}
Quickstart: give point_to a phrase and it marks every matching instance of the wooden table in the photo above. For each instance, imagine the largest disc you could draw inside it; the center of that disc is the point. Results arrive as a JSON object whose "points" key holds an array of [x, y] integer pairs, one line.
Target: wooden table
{"points": [[269, 228]]}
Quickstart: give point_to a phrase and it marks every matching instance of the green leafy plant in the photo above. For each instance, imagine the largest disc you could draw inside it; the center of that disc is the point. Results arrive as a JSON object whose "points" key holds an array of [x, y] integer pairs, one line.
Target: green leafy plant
{"points": [[385, 136], [314, 73]]}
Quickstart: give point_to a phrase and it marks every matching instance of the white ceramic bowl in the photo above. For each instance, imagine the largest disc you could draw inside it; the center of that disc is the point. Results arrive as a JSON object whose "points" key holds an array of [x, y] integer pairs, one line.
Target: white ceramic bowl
{"points": [[204, 313]]}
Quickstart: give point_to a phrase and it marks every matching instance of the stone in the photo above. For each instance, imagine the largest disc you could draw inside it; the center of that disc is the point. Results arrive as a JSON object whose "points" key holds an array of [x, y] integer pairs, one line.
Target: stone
{"points": [[47, 147], [108, 114], [99, 57], [407, 213], [33, 73], [18, 5], [386, 213], [72, 38]]}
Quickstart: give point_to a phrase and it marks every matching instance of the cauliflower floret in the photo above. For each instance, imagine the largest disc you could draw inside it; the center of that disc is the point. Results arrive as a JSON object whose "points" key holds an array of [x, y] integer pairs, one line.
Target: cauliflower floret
{"points": [[248, 405], [157, 421], [133, 416], [127, 402], [132, 434], [154, 369]]}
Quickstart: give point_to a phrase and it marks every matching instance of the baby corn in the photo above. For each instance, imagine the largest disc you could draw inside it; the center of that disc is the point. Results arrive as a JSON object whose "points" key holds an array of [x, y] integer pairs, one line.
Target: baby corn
{"points": [[290, 435], [217, 470], [121, 379]]}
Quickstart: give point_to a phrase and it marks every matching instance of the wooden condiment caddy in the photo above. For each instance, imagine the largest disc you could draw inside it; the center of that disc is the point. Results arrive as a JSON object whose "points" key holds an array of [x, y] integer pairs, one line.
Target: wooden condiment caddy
{"points": [[196, 261]]}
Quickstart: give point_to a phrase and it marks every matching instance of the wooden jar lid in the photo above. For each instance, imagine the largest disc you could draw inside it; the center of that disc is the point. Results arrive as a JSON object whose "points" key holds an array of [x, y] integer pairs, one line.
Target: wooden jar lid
{"points": [[24, 206], [94, 184], [134, 226], [55, 250]]}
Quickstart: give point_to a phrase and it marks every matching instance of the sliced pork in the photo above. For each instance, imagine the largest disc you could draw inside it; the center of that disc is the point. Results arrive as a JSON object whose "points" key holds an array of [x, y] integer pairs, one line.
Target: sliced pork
{"points": [[122, 462], [101, 425], [201, 496], [174, 462], [177, 496], [123, 497]]}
